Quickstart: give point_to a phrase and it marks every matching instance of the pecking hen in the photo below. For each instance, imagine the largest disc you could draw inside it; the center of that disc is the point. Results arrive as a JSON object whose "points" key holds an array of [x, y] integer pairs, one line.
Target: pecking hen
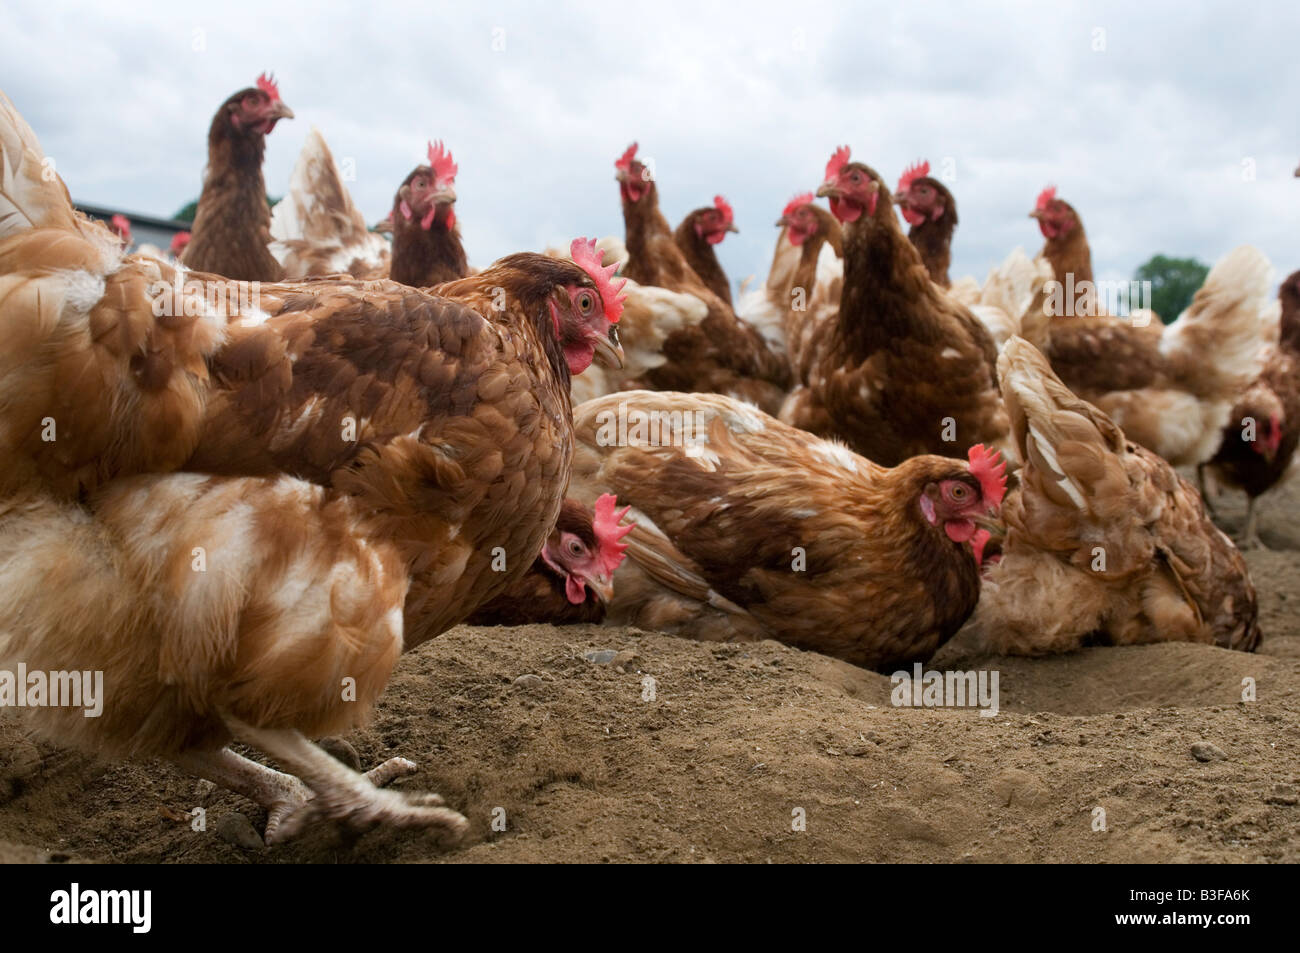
{"points": [[748, 529], [571, 580]]}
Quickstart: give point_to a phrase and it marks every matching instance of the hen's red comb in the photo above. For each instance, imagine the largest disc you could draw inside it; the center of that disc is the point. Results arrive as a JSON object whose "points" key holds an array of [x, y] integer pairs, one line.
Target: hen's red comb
{"points": [[444, 170], [917, 170], [724, 207], [838, 161], [805, 198], [121, 223], [179, 241], [609, 533], [585, 256], [1044, 197], [990, 469], [624, 161], [266, 83]]}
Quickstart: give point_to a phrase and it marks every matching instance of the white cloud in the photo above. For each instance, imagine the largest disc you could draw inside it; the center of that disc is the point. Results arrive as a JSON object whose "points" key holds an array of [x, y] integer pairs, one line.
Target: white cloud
{"points": [[1146, 138]]}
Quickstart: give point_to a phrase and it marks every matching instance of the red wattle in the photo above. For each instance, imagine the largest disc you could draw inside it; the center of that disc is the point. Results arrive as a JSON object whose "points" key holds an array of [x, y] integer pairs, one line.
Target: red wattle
{"points": [[846, 211], [575, 590], [912, 218], [959, 530]]}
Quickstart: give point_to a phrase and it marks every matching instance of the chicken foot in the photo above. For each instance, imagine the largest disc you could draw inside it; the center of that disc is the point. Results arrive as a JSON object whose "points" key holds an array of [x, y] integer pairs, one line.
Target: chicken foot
{"points": [[342, 794], [291, 804]]}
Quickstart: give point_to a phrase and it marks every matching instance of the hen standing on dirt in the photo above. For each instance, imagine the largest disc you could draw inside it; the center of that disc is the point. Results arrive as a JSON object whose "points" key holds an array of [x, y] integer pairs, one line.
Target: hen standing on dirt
{"points": [[389, 461]]}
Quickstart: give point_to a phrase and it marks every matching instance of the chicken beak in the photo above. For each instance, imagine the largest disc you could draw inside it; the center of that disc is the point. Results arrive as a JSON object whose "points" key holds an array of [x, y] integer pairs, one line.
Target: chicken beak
{"points": [[829, 190], [603, 587], [444, 196], [991, 521], [782, 222], [1036, 213], [280, 111], [733, 228], [609, 352]]}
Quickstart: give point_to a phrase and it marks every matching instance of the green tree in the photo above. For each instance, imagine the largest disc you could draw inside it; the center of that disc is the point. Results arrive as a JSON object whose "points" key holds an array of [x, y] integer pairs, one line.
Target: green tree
{"points": [[1173, 283], [186, 214]]}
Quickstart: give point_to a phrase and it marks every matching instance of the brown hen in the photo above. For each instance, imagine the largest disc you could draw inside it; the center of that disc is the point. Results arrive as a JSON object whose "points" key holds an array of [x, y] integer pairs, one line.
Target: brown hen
{"points": [[749, 529], [1105, 543]]}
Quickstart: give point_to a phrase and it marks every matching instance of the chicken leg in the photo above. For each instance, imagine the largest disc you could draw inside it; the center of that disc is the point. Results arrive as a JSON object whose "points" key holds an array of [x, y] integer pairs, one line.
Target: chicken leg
{"points": [[1201, 485], [1250, 538], [332, 790]]}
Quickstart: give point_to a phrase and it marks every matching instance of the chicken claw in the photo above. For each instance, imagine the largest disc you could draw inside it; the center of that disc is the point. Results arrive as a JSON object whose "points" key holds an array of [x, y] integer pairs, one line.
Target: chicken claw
{"points": [[341, 794], [328, 791]]}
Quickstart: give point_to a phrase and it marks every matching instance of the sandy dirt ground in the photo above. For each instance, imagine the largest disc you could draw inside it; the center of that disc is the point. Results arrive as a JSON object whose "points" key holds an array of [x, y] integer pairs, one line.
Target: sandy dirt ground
{"points": [[740, 742]]}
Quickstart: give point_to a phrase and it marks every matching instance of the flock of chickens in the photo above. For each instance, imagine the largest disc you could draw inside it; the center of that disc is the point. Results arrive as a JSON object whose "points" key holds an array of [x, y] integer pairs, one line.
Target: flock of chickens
{"points": [[242, 507]]}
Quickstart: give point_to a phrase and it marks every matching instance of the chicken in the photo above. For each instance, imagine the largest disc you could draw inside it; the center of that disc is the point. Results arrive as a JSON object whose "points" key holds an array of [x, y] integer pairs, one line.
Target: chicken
{"points": [[571, 580], [930, 209], [358, 431], [1105, 543], [1066, 245], [651, 316], [899, 368], [722, 353], [696, 236], [426, 240], [219, 610], [804, 282], [1172, 388], [232, 225], [1259, 441], [748, 529], [180, 241], [315, 228], [318, 231], [447, 415], [120, 225]]}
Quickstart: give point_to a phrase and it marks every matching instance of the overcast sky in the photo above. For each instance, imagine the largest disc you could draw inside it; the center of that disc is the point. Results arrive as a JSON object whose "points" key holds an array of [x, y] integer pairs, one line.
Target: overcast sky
{"points": [[1171, 127]]}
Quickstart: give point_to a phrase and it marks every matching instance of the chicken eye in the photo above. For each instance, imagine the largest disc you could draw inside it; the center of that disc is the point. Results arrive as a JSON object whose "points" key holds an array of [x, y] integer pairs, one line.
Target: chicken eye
{"points": [[856, 177], [586, 302], [575, 548], [959, 491]]}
